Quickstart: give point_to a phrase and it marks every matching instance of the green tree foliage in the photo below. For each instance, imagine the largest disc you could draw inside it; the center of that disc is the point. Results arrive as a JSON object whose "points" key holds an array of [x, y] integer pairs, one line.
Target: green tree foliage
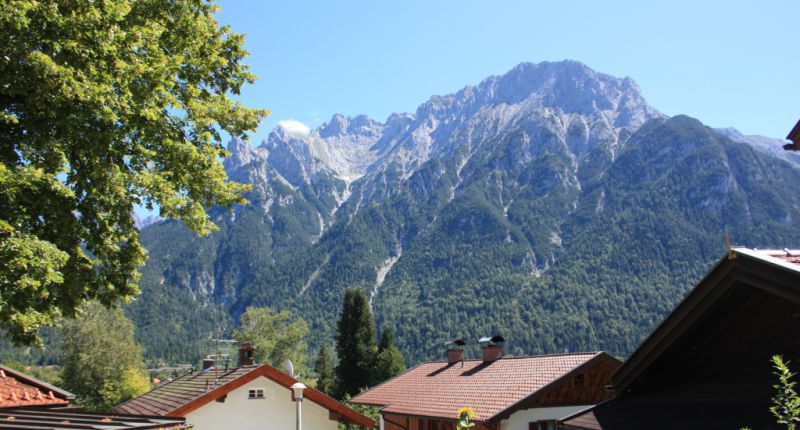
{"points": [[277, 337], [325, 370], [102, 363], [368, 411], [49, 374], [389, 362], [105, 105], [355, 344], [786, 402]]}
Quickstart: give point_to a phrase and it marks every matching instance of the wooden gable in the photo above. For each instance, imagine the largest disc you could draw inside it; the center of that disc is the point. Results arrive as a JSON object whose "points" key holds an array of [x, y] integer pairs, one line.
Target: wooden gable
{"points": [[585, 388]]}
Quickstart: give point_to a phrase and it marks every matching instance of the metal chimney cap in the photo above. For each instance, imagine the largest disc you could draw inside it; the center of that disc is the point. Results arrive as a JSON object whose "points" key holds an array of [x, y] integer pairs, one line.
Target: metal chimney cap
{"points": [[455, 344], [489, 341]]}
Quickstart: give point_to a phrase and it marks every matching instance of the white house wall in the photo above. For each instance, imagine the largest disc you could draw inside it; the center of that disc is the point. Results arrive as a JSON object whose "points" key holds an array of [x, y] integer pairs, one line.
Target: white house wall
{"points": [[276, 411], [519, 420]]}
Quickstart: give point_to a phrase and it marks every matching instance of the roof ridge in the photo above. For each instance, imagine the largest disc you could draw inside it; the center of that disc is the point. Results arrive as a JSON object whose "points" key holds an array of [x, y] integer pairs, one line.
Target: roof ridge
{"points": [[556, 354]]}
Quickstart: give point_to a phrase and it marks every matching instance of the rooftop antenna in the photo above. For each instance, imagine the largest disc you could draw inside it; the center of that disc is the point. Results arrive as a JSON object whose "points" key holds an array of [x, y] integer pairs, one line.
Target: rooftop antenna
{"points": [[216, 344]]}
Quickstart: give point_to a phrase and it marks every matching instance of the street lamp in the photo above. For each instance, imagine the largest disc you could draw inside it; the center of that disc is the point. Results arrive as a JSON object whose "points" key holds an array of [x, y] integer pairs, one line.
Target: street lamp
{"points": [[297, 390]]}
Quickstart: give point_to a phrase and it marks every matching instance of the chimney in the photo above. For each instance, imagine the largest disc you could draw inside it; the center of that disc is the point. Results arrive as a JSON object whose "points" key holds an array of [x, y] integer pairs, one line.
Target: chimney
{"points": [[491, 348], [208, 363], [246, 353], [455, 351]]}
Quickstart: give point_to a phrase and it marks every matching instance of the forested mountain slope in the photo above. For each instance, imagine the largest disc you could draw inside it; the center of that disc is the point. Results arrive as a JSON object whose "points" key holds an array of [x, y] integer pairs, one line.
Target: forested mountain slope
{"points": [[550, 204]]}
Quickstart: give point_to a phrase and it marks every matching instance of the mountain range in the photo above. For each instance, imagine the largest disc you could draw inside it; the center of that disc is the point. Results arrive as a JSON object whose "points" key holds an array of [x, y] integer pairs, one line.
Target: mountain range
{"points": [[551, 205]]}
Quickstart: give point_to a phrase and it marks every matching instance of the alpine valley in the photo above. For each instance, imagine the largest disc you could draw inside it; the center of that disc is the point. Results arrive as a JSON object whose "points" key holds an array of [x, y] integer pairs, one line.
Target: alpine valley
{"points": [[551, 205]]}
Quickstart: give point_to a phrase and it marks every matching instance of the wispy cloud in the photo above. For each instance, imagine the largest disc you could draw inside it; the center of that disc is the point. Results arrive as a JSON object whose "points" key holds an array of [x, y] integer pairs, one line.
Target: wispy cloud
{"points": [[294, 126]]}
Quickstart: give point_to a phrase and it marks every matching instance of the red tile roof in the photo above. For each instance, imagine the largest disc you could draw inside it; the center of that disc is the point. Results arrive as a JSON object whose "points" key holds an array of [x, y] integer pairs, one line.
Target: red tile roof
{"points": [[438, 390], [195, 389], [18, 390]]}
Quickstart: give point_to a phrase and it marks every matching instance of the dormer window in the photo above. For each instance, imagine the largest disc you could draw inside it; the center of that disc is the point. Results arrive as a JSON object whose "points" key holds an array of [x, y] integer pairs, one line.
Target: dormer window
{"points": [[256, 393]]}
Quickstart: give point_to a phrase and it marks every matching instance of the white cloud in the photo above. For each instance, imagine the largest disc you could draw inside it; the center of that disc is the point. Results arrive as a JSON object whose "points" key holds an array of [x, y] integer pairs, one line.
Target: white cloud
{"points": [[294, 127]]}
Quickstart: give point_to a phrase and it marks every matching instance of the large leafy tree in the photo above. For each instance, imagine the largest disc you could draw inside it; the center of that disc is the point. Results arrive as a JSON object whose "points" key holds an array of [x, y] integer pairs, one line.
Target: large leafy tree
{"points": [[102, 363], [355, 344], [276, 336], [104, 105]]}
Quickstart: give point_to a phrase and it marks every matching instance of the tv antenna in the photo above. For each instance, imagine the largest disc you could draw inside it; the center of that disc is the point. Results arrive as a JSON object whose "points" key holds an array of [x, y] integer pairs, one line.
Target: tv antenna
{"points": [[218, 350]]}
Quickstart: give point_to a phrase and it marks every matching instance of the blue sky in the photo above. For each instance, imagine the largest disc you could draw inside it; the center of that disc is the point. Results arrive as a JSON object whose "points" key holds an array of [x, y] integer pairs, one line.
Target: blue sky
{"points": [[731, 63]]}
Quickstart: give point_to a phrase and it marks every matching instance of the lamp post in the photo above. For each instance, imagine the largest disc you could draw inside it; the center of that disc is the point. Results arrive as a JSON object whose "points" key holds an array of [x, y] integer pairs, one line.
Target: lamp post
{"points": [[297, 390]]}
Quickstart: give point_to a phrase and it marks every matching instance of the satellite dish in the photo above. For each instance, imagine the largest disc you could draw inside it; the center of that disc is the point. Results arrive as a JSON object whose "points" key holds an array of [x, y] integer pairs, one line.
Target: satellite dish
{"points": [[289, 367]]}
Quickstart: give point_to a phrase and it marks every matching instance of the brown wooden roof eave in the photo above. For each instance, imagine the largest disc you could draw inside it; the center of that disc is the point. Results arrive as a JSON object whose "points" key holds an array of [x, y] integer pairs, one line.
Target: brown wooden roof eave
{"points": [[648, 350], [741, 264], [585, 419], [794, 136]]}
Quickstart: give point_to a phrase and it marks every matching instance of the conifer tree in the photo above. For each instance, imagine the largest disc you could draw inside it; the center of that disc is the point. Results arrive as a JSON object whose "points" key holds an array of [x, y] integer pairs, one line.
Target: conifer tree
{"points": [[389, 361], [355, 344], [325, 370]]}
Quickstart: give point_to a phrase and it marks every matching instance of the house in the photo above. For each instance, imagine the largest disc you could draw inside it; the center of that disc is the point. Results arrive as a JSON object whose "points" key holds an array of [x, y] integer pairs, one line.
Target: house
{"points": [[246, 397], [507, 393], [18, 390], [708, 364], [794, 136], [28, 403]]}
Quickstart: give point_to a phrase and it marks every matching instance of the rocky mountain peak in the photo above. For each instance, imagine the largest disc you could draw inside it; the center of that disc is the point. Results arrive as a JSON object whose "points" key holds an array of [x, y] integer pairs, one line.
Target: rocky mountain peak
{"points": [[583, 108], [341, 125], [571, 87], [487, 193], [565, 87], [242, 152]]}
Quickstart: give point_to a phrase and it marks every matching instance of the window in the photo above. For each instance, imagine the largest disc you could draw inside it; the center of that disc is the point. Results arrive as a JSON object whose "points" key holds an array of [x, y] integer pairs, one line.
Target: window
{"points": [[542, 425], [256, 393], [580, 380]]}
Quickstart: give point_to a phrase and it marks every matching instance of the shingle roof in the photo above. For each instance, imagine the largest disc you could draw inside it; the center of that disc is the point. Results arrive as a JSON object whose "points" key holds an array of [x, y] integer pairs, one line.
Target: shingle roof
{"points": [[69, 419], [195, 389], [438, 390], [18, 389], [172, 395]]}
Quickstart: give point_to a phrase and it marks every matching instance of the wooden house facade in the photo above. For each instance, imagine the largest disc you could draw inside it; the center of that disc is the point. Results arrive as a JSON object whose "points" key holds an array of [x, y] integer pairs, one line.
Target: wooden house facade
{"points": [[707, 366]]}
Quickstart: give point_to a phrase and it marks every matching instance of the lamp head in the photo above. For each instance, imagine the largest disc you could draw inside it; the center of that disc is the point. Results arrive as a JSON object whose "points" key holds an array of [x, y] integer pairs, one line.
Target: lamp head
{"points": [[297, 390]]}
